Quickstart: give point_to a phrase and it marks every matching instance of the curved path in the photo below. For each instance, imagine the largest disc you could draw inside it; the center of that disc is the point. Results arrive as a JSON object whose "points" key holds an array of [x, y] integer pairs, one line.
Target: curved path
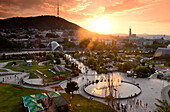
{"points": [[164, 93]]}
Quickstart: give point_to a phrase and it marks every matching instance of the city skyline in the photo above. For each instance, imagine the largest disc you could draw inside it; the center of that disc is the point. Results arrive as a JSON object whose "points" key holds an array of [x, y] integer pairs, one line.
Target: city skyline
{"points": [[109, 16]]}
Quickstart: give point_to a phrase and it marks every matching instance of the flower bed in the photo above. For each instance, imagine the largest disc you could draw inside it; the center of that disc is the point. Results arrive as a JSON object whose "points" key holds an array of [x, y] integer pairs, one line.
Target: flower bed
{"points": [[58, 78]]}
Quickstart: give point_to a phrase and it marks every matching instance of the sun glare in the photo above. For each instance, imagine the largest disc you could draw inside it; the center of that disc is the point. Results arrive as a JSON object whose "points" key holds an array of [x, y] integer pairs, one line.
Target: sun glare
{"points": [[101, 25]]}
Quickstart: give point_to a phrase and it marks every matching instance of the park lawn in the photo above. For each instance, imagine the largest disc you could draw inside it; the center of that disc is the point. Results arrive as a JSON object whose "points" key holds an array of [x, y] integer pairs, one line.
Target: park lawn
{"points": [[32, 75], [47, 73], [46, 79], [35, 66], [9, 74], [15, 68], [59, 73], [86, 105], [2, 70], [11, 97], [2, 61]]}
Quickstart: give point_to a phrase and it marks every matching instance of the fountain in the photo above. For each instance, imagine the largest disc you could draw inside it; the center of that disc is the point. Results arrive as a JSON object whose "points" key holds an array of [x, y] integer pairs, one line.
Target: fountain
{"points": [[102, 84], [98, 84]]}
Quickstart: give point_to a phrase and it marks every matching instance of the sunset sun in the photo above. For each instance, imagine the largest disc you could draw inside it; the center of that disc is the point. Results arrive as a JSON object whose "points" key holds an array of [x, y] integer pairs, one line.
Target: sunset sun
{"points": [[101, 25]]}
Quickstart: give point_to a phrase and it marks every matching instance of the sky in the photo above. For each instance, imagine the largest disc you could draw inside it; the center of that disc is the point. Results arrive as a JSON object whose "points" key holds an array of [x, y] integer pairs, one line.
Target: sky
{"points": [[103, 16]]}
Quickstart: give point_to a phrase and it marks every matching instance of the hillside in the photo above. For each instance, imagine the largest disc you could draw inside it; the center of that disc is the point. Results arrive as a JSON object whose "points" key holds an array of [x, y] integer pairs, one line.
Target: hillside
{"points": [[39, 22]]}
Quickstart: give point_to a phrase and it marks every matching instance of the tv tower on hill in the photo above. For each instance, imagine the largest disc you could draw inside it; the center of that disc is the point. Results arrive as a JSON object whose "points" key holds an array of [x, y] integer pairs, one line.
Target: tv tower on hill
{"points": [[58, 8]]}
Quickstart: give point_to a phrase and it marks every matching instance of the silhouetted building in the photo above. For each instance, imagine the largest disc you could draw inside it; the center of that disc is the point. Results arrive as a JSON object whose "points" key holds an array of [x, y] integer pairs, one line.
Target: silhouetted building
{"points": [[130, 32]]}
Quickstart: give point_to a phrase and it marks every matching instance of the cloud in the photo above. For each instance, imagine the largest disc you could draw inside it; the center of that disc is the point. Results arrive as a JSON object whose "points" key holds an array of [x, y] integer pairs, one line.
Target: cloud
{"points": [[79, 7], [127, 5], [5, 14], [21, 3]]}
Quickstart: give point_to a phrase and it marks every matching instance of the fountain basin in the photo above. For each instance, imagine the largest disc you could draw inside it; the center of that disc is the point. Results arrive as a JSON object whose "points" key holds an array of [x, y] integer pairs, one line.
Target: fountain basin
{"points": [[124, 91]]}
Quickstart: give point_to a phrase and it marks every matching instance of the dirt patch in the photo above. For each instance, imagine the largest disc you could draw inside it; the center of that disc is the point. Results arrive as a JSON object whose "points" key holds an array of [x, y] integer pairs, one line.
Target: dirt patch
{"points": [[29, 89], [17, 87], [57, 88], [4, 84]]}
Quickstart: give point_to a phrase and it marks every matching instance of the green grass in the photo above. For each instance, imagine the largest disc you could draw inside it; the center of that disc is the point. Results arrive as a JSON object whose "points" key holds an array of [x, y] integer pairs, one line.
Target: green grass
{"points": [[47, 73], [15, 68], [86, 105], [32, 75], [9, 74], [11, 97], [59, 73], [2, 61], [35, 66], [2, 70]]}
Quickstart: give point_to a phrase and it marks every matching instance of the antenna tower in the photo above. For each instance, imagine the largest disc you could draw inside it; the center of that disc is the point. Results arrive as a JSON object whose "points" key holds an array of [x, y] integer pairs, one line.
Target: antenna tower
{"points": [[58, 8]]}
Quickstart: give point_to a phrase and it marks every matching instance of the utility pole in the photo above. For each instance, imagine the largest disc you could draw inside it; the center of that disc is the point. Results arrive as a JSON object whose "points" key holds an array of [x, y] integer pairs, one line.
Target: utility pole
{"points": [[58, 8]]}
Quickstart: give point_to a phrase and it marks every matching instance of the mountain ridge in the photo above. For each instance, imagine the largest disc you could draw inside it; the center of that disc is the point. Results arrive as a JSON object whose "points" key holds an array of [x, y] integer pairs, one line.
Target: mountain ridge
{"points": [[46, 22]]}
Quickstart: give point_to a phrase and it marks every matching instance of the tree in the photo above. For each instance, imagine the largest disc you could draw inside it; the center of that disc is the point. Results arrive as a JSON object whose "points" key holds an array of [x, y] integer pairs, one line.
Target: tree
{"points": [[83, 44], [31, 56], [51, 35], [30, 45], [56, 55], [58, 61], [20, 45], [69, 44], [38, 36], [107, 99], [100, 47], [71, 87], [108, 48], [163, 107], [138, 58], [12, 36], [50, 56], [42, 46], [119, 59], [142, 71], [3, 56], [155, 46], [44, 54], [127, 66], [65, 40], [5, 43], [129, 46], [91, 61]]}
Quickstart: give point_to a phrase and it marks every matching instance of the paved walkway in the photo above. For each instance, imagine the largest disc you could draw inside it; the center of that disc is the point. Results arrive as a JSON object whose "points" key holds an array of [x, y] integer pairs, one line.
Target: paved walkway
{"points": [[164, 93], [12, 79], [3, 64]]}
